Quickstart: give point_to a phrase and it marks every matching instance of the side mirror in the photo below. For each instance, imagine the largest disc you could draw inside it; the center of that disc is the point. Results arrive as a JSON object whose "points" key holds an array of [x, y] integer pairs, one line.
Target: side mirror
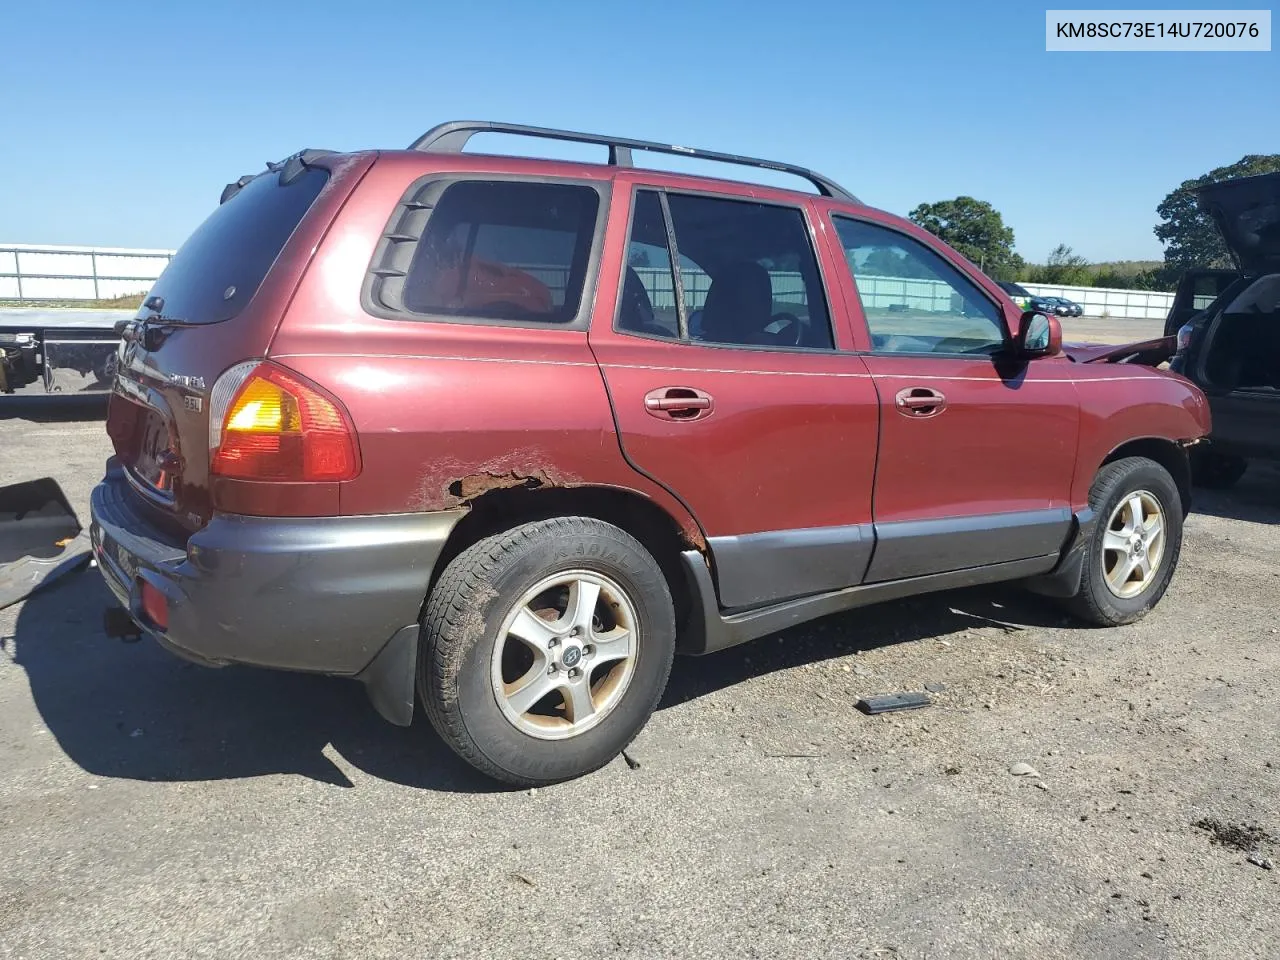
{"points": [[1039, 335]]}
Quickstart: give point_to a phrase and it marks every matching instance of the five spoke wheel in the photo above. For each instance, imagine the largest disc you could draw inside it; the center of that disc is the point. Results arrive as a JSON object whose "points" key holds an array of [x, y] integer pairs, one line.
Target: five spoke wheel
{"points": [[565, 654], [1133, 544]]}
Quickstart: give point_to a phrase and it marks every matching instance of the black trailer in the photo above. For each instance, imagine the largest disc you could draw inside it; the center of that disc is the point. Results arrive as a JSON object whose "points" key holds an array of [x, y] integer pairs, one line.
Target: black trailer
{"points": [[58, 351]]}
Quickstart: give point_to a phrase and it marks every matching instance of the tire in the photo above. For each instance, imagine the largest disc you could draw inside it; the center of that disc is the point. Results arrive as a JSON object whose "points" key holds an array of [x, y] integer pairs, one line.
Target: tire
{"points": [[1116, 486], [470, 683], [1217, 471]]}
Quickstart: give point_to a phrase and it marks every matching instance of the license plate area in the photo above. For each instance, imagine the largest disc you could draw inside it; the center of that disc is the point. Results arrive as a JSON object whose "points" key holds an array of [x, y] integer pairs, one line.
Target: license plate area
{"points": [[151, 464], [117, 557]]}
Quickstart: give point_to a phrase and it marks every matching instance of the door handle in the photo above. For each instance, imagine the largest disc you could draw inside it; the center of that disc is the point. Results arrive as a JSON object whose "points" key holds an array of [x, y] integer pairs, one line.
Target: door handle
{"points": [[678, 403], [920, 402]]}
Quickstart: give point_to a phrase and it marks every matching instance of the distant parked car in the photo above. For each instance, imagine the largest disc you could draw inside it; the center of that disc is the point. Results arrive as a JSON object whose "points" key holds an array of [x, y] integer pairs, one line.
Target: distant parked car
{"points": [[1063, 307], [1026, 300]]}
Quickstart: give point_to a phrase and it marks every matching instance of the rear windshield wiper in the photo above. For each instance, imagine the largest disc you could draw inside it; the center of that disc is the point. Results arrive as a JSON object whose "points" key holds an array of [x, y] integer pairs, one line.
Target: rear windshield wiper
{"points": [[132, 328]]}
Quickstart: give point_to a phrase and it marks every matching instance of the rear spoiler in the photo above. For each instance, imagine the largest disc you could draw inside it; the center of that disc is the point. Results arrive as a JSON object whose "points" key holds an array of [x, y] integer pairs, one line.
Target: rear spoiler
{"points": [[290, 168]]}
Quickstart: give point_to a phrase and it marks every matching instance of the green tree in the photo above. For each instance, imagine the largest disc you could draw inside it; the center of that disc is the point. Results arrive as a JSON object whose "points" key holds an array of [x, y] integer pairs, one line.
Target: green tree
{"points": [[883, 262], [976, 229], [1189, 236], [1064, 267]]}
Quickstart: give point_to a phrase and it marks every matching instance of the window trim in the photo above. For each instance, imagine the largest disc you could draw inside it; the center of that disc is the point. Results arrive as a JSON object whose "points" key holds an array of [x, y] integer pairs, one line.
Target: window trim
{"points": [[837, 215], [389, 237], [674, 255]]}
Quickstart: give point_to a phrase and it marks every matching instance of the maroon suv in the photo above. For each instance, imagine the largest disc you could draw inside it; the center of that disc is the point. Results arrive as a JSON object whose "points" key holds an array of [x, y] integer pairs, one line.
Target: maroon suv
{"points": [[506, 434]]}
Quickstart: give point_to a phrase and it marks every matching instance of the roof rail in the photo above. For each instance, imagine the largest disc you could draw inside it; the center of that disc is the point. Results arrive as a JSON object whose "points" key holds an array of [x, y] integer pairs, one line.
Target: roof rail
{"points": [[452, 137]]}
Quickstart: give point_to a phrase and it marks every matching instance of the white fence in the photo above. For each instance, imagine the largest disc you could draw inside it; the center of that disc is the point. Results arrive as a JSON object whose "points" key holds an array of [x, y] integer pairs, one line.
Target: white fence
{"points": [[36, 273], [43, 273], [1107, 302]]}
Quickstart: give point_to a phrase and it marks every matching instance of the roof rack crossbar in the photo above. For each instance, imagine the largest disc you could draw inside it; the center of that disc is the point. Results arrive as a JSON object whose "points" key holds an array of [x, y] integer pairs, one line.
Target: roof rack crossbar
{"points": [[452, 137]]}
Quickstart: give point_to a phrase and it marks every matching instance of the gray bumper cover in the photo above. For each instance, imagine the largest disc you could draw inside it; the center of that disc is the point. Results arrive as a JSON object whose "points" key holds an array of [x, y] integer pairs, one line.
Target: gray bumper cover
{"points": [[323, 595]]}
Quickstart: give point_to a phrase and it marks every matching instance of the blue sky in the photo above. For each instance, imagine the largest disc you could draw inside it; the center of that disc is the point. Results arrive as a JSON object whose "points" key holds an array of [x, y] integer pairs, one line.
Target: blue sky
{"points": [[120, 122]]}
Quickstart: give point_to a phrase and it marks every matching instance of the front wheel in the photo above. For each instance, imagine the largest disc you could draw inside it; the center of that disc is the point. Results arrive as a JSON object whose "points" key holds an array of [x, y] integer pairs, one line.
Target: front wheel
{"points": [[1134, 545], [546, 649]]}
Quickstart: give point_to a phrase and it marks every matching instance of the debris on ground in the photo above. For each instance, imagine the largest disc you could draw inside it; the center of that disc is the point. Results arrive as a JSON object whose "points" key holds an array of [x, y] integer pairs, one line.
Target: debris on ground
{"points": [[1024, 769], [889, 702], [1259, 860], [1244, 837]]}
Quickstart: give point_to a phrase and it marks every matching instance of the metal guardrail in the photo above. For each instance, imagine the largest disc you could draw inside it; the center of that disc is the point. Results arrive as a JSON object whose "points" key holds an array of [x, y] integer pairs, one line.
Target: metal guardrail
{"points": [[40, 274]]}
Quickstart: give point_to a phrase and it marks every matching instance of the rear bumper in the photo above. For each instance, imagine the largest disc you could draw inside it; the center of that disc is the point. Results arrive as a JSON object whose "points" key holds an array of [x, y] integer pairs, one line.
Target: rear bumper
{"points": [[322, 594]]}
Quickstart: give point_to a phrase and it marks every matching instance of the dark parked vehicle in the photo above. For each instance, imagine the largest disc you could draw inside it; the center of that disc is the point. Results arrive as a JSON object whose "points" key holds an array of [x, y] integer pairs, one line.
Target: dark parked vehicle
{"points": [[1197, 290], [443, 422], [1026, 300], [1068, 308], [1231, 347], [67, 351]]}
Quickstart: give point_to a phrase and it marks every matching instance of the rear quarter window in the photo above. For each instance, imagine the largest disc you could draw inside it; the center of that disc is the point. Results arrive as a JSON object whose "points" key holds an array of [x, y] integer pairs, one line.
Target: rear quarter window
{"points": [[504, 251]]}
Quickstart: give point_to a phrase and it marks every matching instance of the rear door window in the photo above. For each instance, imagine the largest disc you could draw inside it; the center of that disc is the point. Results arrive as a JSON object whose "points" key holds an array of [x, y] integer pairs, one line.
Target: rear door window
{"points": [[747, 271], [503, 250]]}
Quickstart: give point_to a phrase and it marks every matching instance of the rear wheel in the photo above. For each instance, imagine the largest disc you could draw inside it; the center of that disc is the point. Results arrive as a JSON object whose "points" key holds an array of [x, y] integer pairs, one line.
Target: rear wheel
{"points": [[1134, 545], [546, 649], [1217, 471]]}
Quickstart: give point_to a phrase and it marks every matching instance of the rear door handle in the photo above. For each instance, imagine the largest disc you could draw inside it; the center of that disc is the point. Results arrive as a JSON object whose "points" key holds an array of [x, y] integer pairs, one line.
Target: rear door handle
{"points": [[678, 403], [918, 402]]}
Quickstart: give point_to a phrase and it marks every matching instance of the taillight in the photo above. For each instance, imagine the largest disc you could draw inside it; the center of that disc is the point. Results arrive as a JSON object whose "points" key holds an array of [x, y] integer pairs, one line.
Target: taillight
{"points": [[268, 423], [155, 606]]}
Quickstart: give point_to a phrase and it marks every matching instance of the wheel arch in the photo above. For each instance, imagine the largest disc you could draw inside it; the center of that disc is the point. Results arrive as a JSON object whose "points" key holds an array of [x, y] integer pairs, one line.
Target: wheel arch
{"points": [[657, 530], [1170, 454]]}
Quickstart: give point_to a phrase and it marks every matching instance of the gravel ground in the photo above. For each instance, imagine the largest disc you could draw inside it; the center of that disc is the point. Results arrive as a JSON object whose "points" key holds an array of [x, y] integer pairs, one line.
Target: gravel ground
{"points": [[156, 809]]}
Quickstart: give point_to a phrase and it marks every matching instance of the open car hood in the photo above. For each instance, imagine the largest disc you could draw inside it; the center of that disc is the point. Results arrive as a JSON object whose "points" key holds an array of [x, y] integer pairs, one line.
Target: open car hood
{"points": [[1247, 212], [1148, 353]]}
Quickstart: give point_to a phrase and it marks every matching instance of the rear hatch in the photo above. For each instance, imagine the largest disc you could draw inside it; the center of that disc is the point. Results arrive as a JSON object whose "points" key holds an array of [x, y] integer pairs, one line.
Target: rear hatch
{"points": [[1247, 213], [217, 304]]}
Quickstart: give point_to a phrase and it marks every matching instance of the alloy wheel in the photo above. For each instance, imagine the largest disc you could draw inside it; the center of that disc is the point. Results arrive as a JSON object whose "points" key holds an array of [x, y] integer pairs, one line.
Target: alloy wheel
{"points": [[565, 654]]}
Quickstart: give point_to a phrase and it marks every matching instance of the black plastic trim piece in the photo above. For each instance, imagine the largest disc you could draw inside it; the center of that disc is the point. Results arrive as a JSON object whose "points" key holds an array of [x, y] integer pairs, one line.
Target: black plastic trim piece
{"points": [[709, 629], [673, 257], [1064, 579], [914, 548], [452, 137], [760, 568], [390, 678]]}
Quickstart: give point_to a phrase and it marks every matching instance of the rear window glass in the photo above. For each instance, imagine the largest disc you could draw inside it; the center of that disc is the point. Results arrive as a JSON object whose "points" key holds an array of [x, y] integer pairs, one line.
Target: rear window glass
{"points": [[504, 250], [215, 274]]}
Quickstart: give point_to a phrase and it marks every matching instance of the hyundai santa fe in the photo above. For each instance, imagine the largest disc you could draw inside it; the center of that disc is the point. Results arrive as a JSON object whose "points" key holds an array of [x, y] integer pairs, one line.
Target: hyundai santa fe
{"points": [[500, 436]]}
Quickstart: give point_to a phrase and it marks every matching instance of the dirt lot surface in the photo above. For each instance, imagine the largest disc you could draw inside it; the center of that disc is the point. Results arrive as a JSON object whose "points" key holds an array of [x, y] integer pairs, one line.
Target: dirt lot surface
{"points": [[153, 809], [1094, 330]]}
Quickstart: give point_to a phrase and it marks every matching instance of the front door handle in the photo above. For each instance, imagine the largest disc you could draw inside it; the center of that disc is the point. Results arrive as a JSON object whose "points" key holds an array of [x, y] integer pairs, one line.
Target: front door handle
{"points": [[678, 403], [919, 402]]}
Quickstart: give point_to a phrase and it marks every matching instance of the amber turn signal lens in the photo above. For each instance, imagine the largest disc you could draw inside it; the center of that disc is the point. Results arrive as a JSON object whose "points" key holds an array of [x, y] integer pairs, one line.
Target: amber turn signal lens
{"points": [[284, 428]]}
